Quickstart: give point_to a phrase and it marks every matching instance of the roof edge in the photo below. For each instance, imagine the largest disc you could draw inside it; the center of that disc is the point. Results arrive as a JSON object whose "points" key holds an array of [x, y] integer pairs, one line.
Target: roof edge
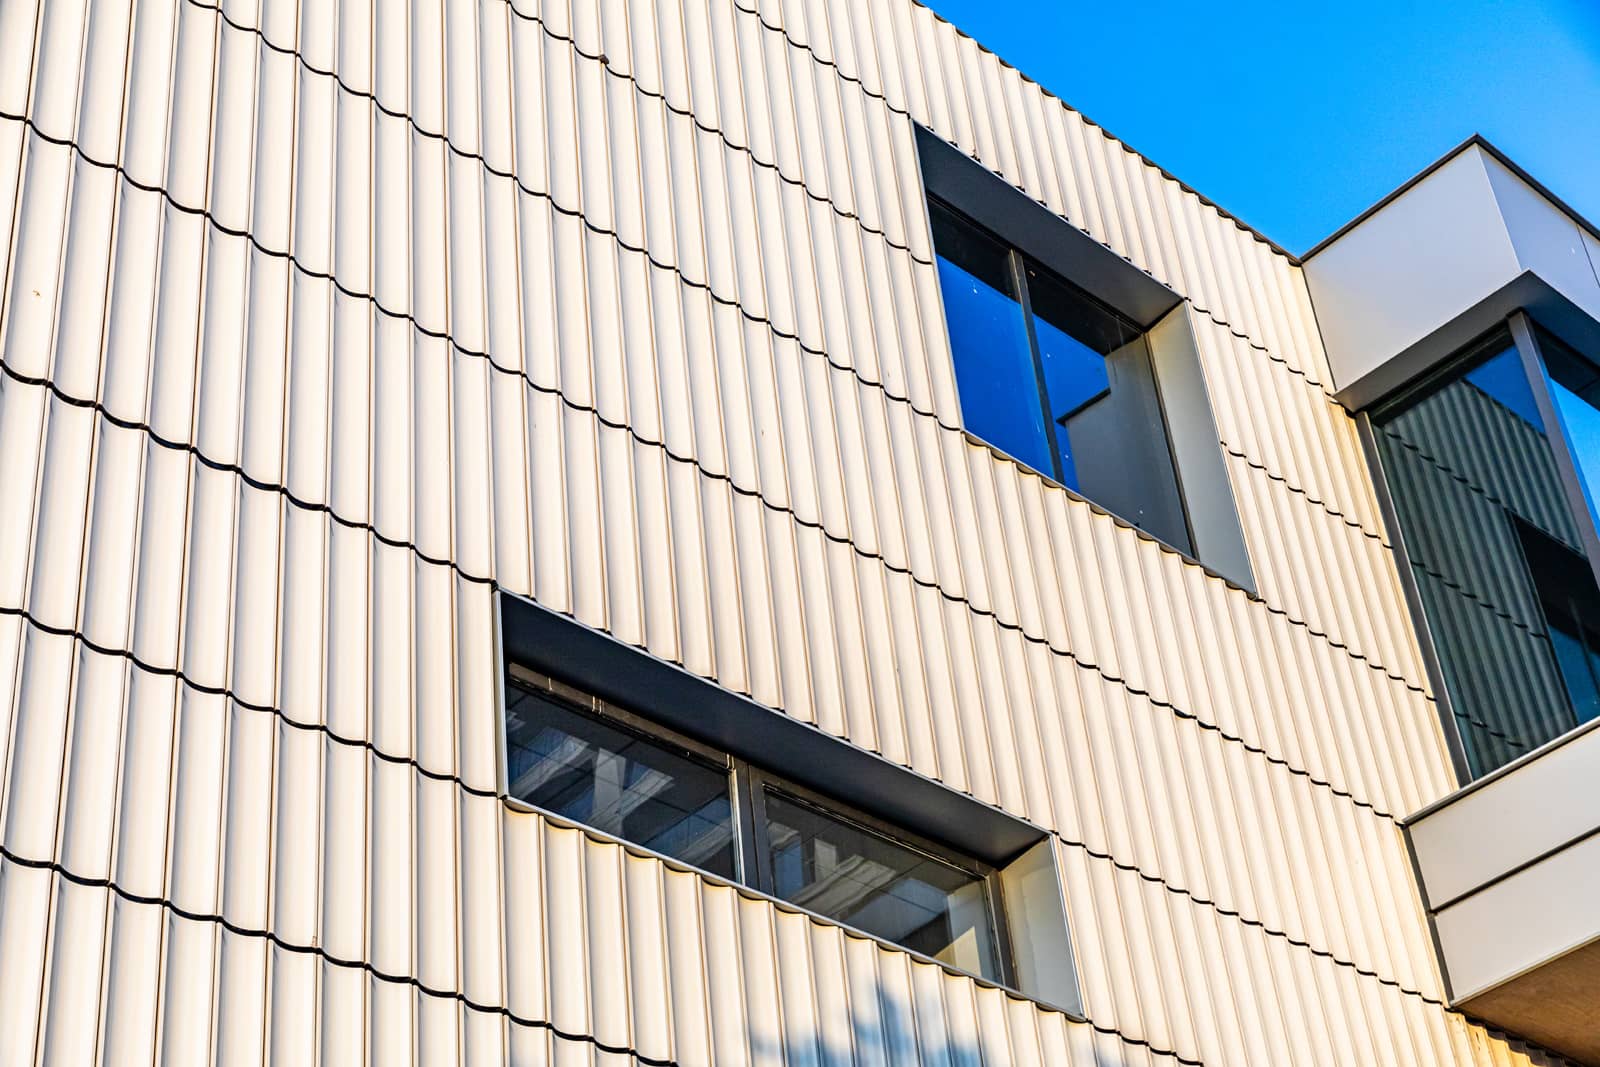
{"points": [[1108, 135], [1475, 140]]}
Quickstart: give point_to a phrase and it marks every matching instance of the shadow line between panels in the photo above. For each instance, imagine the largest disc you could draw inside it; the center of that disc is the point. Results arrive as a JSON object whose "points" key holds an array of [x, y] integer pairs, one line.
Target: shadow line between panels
{"points": [[449, 339], [841, 212], [492, 794], [405, 545], [454, 779]]}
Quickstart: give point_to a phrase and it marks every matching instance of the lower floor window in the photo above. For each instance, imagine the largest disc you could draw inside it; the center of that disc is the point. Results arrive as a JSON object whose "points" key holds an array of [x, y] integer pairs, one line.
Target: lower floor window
{"points": [[586, 760], [583, 768], [825, 863]]}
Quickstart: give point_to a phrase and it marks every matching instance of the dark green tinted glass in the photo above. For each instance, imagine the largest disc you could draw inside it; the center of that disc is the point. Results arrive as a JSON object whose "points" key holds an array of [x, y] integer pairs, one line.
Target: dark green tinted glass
{"points": [[1496, 553]]}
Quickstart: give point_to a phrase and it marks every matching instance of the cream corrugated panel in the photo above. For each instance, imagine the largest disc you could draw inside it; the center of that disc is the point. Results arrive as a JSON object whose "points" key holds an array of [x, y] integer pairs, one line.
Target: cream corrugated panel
{"points": [[398, 655], [1357, 583], [690, 975], [198, 736], [402, 717], [1270, 414], [301, 383], [218, 867]]}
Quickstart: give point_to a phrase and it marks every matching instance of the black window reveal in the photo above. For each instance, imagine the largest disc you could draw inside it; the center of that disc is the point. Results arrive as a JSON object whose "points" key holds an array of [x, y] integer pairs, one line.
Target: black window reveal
{"points": [[589, 761]]}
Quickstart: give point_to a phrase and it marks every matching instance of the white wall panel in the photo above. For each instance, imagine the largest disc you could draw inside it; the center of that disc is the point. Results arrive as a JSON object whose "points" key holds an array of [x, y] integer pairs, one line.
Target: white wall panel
{"points": [[323, 323]]}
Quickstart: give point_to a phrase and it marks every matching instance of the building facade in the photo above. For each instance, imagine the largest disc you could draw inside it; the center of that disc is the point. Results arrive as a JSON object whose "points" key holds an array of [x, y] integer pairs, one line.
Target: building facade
{"points": [[737, 532]]}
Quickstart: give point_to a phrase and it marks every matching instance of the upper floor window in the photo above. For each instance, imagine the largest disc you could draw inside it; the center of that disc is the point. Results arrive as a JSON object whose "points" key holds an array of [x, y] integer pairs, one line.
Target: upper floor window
{"points": [[1055, 378], [1489, 464]]}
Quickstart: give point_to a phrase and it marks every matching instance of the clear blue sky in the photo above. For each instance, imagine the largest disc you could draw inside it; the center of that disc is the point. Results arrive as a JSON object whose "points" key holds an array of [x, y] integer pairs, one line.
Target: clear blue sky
{"points": [[1296, 117]]}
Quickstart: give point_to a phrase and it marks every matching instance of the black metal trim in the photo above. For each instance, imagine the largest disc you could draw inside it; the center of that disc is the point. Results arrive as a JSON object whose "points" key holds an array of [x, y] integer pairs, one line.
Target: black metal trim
{"points": [[951, 176], [1041, 387], [699, 709]]}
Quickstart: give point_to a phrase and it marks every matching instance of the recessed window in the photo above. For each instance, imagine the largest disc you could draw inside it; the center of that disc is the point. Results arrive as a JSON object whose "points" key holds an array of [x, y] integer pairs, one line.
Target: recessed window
{"points": [[939, 906], [1055, 378], [586, 760], [598, 771]]}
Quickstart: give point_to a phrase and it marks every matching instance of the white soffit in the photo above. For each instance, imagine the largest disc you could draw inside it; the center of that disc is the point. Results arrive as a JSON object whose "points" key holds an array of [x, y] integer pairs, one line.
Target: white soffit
{"points": [[1547, 240]]}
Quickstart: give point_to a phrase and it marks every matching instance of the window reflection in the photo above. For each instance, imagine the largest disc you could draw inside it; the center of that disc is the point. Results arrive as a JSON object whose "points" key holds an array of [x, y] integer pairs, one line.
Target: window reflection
{"points": [[1068, 390], [586, 770], [1495, 552], [1575, 388], [989, 339], [867, 881], [1570, 603]]}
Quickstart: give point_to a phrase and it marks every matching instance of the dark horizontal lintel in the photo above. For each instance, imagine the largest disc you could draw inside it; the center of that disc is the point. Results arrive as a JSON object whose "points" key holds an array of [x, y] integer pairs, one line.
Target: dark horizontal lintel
{"points": [[1041, 234], [563, 648]]}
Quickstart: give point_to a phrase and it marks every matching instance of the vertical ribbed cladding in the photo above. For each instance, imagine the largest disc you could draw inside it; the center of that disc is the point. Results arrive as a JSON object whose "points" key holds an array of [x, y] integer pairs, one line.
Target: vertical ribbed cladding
{"points": [[320, 321]]}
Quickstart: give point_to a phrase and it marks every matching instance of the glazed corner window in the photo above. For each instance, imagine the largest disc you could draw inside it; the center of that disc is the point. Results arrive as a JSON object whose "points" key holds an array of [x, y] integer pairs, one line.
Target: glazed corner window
{"points": [[1055, 378], [586, 760], [1490, 465]]}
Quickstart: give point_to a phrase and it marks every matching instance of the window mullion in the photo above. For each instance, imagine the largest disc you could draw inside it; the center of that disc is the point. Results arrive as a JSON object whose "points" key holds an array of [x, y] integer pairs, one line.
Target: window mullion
{"points": [[1556, 435], [752, 829], [1000, 922], [1019, 279]]}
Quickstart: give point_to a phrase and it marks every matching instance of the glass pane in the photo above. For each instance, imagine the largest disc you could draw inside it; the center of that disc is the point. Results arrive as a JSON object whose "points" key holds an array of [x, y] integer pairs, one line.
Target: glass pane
{"points": [[989, 339], [1571, 605], [1575, 386], [1075, 374], [1495, 552], [865, 880], [585, 769], [1110, 434]]}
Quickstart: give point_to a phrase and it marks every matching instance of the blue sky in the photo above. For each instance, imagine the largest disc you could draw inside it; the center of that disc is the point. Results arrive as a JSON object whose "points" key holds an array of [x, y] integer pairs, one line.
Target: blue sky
{"points": [[1297, 122]]}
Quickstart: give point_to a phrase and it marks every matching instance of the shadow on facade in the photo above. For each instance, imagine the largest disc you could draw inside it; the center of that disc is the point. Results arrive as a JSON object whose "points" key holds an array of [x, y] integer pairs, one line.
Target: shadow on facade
{"points": [[897, 1034]]}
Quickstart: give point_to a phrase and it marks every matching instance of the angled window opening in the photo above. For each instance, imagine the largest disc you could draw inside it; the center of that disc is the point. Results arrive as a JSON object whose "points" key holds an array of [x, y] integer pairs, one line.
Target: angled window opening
{"points": [[1077, 364], [606, 736]]}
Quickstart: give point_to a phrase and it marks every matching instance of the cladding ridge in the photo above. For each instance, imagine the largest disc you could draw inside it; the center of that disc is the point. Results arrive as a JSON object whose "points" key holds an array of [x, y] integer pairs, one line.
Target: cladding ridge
{"points": [[358, 315]]}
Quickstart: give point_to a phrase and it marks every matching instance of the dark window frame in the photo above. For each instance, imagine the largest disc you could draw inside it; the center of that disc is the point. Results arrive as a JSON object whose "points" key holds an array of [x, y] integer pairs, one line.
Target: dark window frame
{"points": [[748, 785]]}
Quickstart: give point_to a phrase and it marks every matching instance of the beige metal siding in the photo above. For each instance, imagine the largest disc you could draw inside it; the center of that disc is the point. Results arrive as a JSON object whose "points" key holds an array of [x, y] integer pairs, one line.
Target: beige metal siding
{"points": [[322, 322]]}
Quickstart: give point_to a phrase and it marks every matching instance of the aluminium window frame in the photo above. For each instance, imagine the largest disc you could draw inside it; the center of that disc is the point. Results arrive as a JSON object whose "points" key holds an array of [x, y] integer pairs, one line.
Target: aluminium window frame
{"points": [[1519, 325], [747, 786]]}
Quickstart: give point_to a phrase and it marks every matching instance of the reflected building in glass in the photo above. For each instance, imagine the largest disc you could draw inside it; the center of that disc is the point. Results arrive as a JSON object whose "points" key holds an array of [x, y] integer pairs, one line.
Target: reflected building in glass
{"points": [[1494, 545]]}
